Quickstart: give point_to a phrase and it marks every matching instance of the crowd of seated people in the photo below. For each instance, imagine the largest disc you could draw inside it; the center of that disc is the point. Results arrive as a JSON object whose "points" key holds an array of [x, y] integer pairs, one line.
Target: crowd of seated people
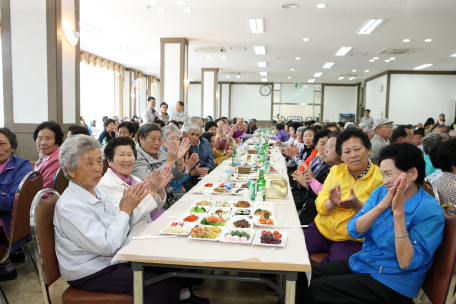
{"points": [[351, 184]]}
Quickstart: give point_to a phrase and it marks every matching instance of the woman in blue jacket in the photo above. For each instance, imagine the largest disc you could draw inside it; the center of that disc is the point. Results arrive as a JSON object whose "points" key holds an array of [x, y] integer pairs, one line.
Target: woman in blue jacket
{"points": [[12, 171], [402, 226]]}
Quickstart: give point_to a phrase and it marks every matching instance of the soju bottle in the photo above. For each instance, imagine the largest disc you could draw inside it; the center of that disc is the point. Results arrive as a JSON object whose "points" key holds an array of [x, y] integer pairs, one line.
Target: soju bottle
{"points": [[261, 184], [234, 158], [262, 155], [266, 145]]}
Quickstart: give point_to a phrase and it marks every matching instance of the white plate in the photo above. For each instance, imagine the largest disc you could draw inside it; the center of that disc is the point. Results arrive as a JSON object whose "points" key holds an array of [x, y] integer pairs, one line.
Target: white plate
{"points": [[229, 202], [256, 218], [262, 205], [240, 179], [200, 190], [240, 217], [208, 240], [235, 202], [233, 212], [249, 241], [189, 210], [200, 215], [190, 225], [227, 219], [196, 201], [254, 209], [224, 215], [257, 239]]}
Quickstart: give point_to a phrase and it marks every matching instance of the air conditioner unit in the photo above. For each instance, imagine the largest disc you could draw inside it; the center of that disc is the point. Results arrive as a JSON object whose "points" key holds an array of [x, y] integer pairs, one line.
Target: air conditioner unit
{"points": [[397, 51], [210, 49]]}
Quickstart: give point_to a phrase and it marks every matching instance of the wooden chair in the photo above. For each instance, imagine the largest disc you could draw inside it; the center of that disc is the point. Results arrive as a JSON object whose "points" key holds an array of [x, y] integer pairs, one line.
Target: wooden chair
{"points": [[315, 259], [60, 182], [42, 226], [430, 188]]}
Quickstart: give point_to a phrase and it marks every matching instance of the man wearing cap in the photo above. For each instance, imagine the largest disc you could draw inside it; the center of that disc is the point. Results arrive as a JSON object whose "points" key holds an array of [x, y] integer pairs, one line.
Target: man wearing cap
{"points": [[93, 127], [150, 114], [382, 133], [369, 121], [274, 123], [180, 115]]}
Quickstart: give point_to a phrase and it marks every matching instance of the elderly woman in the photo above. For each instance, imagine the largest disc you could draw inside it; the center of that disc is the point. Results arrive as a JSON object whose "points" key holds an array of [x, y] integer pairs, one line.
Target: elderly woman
{"points": [[219, 157], [211, 127], [446, 184], [89, 230], [126, 129], [428, 142], [344, 193], [402, 227], [12, 171], [48, 137], [281, 134], [121, 156], [223, 139], [292, 129], [108, 132]]}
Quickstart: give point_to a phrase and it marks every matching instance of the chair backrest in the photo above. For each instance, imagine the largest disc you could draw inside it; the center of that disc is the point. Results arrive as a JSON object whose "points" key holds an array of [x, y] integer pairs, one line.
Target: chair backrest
{"points": [[428, 187], [105, 167], [440, 283], [42, 226], [60, 182]]}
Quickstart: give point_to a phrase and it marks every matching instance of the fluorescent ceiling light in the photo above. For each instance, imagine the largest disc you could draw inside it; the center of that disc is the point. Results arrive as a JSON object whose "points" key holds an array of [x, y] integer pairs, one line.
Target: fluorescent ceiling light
{"points": [[263, 73], [181, 2], [392, 58], [260, 50], [297, 58], [328, 65], [262, 64], [227, 76], [427, 40], [237, 76], [187, 10], [256, 26], [131, 50], [454, 55], [153, 2], [351, 78], [372, 60], [321, 5], [423, 66], [375, 58], [340, 78], [264, 79], [366, 71], [311, 80], [294, 69], [305, 39], [161, 10], [406, 40], [387, 60], [318, 74], [370, 26], [343, 51], [353, 71], [87, 28]]}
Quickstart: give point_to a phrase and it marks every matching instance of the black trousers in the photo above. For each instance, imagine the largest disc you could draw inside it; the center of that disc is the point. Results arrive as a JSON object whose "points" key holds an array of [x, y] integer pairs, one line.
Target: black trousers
{"points": [[335, 283]]}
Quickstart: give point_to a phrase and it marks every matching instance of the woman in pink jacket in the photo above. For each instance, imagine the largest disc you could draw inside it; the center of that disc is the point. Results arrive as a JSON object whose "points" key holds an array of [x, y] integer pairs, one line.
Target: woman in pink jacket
{"points": [[48, 137]]}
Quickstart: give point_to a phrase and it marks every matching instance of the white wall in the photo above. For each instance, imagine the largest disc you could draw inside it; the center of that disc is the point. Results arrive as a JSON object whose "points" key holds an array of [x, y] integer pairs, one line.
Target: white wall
{"points": [[172, 72], [415, 98], [296, 110], [338, 100], [246, 100], [225, 99], [126, 94], [209, 94], [68, 65], [376, 100], [194, 99]]}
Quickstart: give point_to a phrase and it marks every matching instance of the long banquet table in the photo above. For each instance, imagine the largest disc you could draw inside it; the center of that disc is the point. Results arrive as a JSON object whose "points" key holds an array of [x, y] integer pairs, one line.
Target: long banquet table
{"points": [[182, 252]]}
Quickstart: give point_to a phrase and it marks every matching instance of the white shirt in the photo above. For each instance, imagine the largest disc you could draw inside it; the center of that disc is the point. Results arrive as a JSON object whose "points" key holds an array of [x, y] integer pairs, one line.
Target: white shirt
{"points": [[114, 187], [88, 232], [180, 116]]}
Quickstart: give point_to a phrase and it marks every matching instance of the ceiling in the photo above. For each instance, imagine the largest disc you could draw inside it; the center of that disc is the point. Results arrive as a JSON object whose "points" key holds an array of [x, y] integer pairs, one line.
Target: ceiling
{"points": [[224, 23]]}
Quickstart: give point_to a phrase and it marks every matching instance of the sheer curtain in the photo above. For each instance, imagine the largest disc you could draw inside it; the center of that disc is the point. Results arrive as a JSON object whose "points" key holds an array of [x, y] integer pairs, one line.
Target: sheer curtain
{"points": [[97, 93]]}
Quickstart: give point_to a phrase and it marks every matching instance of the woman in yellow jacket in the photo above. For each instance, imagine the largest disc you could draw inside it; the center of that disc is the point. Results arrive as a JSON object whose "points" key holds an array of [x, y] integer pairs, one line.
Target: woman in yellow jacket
{"points": [[219, 157], [344, 193]]}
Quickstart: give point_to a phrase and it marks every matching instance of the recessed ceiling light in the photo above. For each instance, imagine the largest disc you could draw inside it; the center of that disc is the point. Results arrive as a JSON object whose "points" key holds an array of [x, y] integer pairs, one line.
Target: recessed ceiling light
{"points": [[264, 79], [262, 64], [161, 10], [454, 55], [366, 71], [297, 58], [289, 6], [406, 40], [375, 58], [227, 76], [340, 78], [353, 71], [263, 73], [343, 51], [351, 78], [223, 58], [260, 50], [321, 5], [392, 58], [187, 10], [372, 60], [423, 66], [305, 39], [237, 76], [153, 3], [370, 26], [181, 2], [318, 74], [294, 69], [427, 40], [328, 65], [387, 60], [311, 80], [256, 26], [288, 77]]}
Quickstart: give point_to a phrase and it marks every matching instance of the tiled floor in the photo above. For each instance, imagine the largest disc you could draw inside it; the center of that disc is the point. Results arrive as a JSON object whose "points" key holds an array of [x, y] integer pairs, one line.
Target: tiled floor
{"points": [[26, 289]]}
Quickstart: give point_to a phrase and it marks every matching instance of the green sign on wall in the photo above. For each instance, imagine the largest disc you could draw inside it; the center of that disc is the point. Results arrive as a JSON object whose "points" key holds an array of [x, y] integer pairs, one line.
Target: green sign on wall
{"points": [[297, 85]]}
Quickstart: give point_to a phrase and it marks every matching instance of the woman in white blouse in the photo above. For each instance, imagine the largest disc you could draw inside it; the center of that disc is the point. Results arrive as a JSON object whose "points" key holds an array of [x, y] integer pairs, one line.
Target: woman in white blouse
{"points": [[121, 156]]}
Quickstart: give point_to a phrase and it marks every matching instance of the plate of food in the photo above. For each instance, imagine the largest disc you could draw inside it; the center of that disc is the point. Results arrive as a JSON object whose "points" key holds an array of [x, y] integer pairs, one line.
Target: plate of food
{"points": [[238, 236], [254, 176], [222, 212], [202, 203], [205, 233], [241, 211], [198, 209], [213, 220], [241, 222], [219, 190], [200, 190], [222, 203], [259, 211], [209, 185], [239, 178], [263, 205], [265, 221], [194, 218], [271, 238], [237, 191], [242, 204], [177, 228]]}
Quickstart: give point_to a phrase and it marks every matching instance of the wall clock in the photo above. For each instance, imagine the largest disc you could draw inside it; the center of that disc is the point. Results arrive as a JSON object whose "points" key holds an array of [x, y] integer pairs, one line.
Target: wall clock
{"points": [[265, 90]]}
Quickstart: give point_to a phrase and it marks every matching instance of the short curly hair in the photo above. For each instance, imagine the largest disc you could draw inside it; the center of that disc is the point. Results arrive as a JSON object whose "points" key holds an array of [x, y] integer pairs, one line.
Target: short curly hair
{"points": [[349, 133], [54, 127], [445, 155], [110, 148], [11, 137], [130, 127], [405, 156], [431, 139], [320, 134]]}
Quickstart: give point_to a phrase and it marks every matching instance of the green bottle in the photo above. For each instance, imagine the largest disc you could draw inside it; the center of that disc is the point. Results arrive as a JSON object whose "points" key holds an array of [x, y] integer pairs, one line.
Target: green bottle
{"points": [[266, 145], [262, 155], [261, 184], [233, 159]]}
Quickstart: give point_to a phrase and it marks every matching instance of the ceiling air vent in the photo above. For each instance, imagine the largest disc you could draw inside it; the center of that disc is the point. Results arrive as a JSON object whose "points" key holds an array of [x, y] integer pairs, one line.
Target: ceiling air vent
{"points": [[358, 54], [397, 51], [210, 49], [351, 75]]}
